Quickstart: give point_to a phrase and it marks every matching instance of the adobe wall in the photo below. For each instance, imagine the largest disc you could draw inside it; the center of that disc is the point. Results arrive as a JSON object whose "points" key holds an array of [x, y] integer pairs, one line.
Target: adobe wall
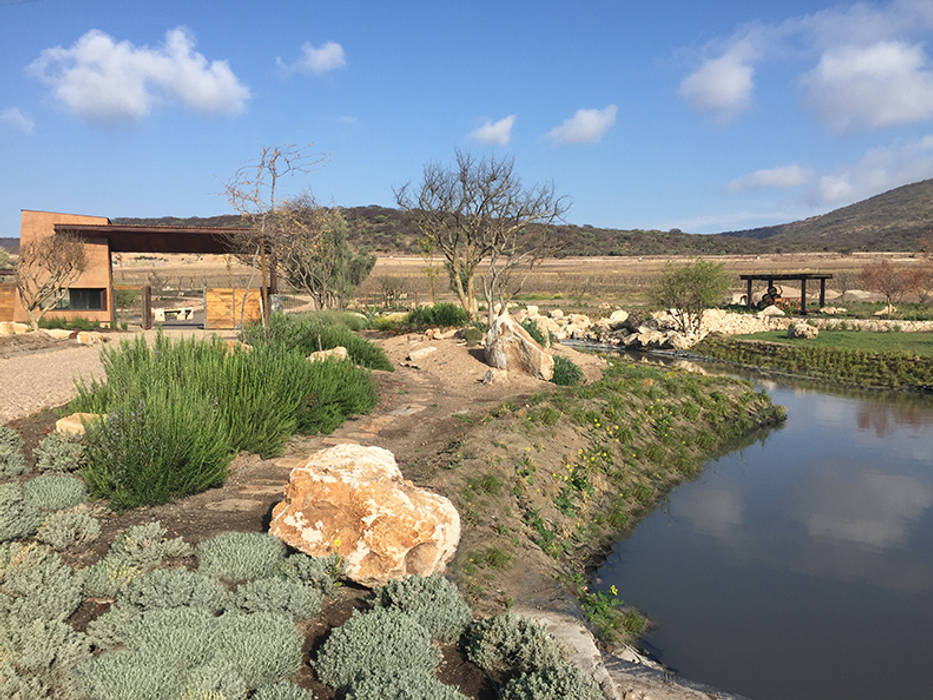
{"points": [[97, 274]]}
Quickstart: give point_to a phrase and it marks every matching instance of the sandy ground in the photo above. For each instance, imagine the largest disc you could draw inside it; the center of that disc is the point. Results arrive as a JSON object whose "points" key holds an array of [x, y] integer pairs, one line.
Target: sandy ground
{"points": [[36, 375]]}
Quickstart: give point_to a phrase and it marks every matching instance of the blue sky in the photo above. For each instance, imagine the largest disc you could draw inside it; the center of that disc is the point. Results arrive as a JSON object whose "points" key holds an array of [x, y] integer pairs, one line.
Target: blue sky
{"points": [[699, 116]]}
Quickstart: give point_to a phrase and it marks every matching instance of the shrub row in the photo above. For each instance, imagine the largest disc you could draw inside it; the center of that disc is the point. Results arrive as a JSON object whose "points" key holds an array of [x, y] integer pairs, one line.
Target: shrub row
{"points": [[313, 332], [178, 411]]}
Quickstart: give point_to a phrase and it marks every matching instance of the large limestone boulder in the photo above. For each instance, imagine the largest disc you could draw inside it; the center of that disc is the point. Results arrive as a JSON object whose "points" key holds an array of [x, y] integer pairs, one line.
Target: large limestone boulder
{"points": [[510, 347], [74, 424], [802, 330], [13, 328], [89, 338], [352, 500], [57, 333], [770, 311], [617, 319], [338, 353]]}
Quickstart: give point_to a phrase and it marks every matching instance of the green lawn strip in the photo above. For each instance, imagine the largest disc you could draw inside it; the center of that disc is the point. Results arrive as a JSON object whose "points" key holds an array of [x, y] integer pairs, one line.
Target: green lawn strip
{"points": [[846, 365], [867, 341]]}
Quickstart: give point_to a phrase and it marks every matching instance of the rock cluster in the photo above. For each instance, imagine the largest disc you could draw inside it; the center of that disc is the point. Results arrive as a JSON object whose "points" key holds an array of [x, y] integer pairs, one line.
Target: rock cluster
{"points": [[510, 347], [802, 330], [352, 501]]}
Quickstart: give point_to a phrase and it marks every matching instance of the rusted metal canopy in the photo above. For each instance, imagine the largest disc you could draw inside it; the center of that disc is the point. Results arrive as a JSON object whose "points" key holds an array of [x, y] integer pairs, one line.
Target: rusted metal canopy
{"points": [[123, 238]]}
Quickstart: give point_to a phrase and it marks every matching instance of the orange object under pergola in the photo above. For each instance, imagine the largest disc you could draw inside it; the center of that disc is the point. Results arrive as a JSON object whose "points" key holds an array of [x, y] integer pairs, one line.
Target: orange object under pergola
{"points": [[801, 277]]}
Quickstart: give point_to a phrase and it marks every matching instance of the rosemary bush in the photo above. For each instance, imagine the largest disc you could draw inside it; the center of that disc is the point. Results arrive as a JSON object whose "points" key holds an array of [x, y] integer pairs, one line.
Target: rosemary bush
{"points": [[442, 314], [178, 411], [434, 602], [312, 333], [566, 372]]}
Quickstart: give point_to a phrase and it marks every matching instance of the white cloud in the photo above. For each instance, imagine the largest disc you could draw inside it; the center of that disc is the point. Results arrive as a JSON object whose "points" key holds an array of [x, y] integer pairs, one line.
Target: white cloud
{"points": [[785, 176], [884, 84], [316, 60], [103, 79], [585, 126], [879, 170], [870, 68], [494, 132], [15, 119], [722, 84], [347, 120]]}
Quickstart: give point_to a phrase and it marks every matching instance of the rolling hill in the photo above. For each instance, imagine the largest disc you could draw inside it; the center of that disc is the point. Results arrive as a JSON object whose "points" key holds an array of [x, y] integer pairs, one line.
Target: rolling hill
{"points": [[893, 220]]}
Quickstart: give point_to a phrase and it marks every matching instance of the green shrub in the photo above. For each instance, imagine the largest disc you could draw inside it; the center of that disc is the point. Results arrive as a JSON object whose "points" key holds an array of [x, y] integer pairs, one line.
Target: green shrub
{"points": [[265, 647], [340, 391], [155, 450], [58, 453], [122, 674], [310, 334], [282, 690], [39, 658], [434, 602], [534, 330], [401, 684], [380, 640], [134, 552], [80, 323], [559, 681], [37, 583], [12, 460], [320, 572], [505, 643], [213, 681], [471, 335], [17, 518], [174, 588], [10, 438], [178, 411], [239, 556], [296, 600], [442, 314], [69, 528], [262, 648], [48, 492], [566, 372]]}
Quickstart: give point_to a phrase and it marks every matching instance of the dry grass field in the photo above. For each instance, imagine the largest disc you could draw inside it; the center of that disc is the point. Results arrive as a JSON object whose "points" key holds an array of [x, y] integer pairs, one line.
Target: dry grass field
{"points": [[571, 283]]}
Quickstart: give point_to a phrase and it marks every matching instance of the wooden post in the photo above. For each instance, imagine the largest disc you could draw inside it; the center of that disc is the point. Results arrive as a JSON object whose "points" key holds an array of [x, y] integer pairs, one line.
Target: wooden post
{"points": [[748, 294], [147, 307], [803, 296], [822, 292]]}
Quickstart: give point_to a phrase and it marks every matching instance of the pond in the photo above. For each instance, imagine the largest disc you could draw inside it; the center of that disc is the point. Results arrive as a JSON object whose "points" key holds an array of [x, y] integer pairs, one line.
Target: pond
{"points": [[800, 565]]}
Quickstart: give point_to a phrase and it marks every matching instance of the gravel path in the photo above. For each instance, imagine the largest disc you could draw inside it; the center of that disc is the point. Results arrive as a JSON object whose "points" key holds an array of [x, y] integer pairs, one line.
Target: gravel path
{"points": [[31, 382]]}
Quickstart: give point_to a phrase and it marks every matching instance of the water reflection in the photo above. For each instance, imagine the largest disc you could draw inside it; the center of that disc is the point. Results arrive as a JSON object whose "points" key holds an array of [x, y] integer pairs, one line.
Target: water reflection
{"points": [[816, 537]]}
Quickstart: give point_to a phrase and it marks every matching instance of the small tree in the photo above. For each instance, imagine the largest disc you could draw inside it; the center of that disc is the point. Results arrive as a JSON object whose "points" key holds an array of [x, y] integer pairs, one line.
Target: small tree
{"points": [[46, 268], [4, 258], [688, 290], [252, 191], [316, 256], [893, 281], [478, 210]]}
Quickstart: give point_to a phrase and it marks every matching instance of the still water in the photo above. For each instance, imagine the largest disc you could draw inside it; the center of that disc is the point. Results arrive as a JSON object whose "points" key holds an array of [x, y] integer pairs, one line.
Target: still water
{"points": [[801, 565]]}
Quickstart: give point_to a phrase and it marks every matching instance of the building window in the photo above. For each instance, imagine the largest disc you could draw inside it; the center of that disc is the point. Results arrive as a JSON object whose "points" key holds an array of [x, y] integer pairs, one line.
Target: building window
{"points": [[84, 300]]}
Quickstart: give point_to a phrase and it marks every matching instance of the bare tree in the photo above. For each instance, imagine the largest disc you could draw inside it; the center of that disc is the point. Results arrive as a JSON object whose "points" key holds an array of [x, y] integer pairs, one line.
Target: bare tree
{"points": [[46, 268], [253, 192], [892, 281], [478, 210]]}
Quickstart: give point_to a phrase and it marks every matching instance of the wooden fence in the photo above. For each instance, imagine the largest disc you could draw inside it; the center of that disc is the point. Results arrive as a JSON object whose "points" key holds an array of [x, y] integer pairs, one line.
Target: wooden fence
{"points": [[231, 308], [7, 301]]}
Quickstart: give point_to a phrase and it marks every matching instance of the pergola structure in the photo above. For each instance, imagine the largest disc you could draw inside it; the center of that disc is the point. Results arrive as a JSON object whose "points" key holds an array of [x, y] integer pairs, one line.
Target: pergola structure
{"points": [[801, 277]]}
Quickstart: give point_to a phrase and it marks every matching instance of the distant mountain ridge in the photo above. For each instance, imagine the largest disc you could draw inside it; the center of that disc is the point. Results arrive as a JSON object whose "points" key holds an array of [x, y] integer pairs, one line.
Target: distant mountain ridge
{"points": [[893, 220]]}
